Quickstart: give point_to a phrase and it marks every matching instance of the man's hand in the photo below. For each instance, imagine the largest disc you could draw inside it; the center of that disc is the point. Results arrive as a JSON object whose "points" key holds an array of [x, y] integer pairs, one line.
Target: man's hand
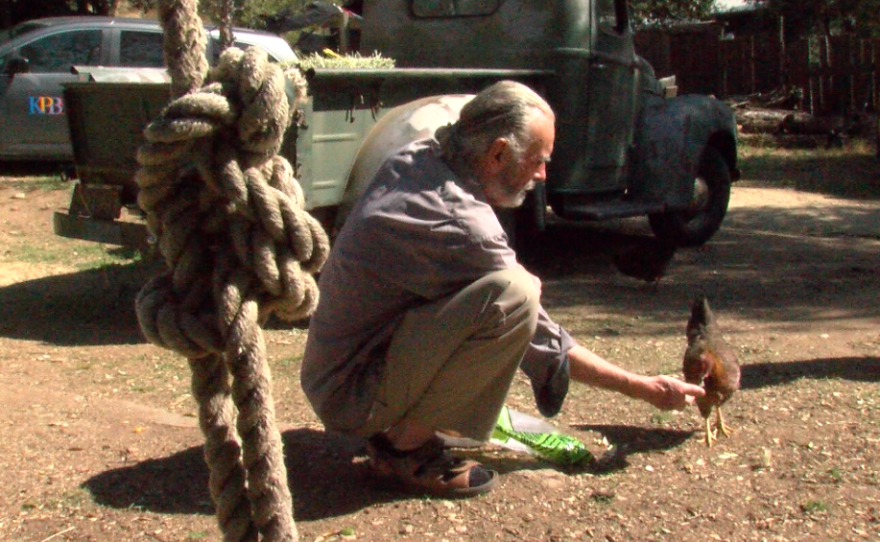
{"points": [[668, 393]]}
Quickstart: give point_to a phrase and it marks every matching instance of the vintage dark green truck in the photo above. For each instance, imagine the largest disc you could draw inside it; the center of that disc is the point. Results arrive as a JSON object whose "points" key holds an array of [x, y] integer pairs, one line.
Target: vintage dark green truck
{"points": [[625, 147]]}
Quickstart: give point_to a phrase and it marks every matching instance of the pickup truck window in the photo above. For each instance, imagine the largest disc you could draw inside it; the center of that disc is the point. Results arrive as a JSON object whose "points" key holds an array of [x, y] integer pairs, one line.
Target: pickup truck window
{"points": [[58, 52], [140, 49], [454, 8]]}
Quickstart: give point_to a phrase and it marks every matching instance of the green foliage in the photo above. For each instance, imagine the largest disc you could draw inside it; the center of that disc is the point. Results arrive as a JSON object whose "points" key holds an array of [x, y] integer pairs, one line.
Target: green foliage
{"points": [[45, 183], [826, 17], [661, 418], [248, 13], [836, 475], [16, 11], [352, 61], [602, 498], [663, 12], [849, 172], [252, 12], [814, 507], [144, 5]]}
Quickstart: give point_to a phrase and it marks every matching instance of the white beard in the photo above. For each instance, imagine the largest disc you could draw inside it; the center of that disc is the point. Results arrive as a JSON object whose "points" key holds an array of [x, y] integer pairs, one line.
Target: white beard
{"points": [[502, 197]]}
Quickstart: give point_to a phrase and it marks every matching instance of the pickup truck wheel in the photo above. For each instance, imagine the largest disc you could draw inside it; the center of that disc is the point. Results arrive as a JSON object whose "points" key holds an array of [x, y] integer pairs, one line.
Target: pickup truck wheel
{"points": [[696, 224]]}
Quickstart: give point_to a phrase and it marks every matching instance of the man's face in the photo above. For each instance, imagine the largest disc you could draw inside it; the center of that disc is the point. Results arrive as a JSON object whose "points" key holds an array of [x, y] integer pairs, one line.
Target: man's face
{"points": [[513, 178]]}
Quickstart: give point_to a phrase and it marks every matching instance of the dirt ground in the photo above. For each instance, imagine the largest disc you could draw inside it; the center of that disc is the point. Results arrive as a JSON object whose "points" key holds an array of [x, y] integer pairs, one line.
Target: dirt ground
{"points": [[100, 441]]}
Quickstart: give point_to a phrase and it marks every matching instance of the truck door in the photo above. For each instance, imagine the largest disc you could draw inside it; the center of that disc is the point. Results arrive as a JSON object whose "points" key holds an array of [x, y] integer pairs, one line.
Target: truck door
{"points": [[593, 94], [32, 112], [611, 97]]}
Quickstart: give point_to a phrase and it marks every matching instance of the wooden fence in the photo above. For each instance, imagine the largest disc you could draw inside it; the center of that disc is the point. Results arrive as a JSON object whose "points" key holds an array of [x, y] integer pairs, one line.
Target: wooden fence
{"points": [[837, 74]]}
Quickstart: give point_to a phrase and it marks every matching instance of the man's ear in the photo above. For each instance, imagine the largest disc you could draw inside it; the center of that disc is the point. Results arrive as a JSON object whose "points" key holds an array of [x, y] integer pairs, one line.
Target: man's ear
{"points": [[497, 156]]}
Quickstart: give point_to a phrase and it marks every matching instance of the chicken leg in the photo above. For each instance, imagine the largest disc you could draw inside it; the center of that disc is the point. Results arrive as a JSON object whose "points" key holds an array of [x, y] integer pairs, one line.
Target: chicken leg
{"points": [[720, 427]]}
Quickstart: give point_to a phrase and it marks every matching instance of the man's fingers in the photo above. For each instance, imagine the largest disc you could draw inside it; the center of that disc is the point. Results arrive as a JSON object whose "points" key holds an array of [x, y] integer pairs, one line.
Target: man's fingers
{"points": [[694, 391], [684, 402], [677, 394], [689, 394]]}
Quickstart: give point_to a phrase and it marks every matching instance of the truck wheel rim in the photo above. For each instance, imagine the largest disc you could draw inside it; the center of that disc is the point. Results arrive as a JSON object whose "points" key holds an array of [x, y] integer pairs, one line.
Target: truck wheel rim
{"points": [[700, 198]]}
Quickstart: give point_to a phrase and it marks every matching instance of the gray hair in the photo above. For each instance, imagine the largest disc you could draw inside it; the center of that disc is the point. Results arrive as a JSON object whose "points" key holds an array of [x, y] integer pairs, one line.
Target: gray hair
{"points": [[505, 109]]}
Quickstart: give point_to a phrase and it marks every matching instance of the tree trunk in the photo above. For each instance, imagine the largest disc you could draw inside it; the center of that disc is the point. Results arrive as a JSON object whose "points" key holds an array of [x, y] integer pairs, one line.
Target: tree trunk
{"points": [[781, 121], [760, 121]]}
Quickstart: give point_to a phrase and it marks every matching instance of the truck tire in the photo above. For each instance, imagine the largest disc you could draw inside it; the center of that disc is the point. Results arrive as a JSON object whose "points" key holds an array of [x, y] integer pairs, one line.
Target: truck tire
{"points": [[693, 226]]}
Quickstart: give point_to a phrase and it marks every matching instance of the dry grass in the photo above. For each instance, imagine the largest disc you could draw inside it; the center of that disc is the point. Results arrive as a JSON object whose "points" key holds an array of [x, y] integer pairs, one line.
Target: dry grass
{"points": [[850, 171]]}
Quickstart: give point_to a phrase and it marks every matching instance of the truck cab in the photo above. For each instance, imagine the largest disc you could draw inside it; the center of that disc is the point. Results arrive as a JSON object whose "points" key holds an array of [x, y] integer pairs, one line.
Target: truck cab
{"points": [[584, 47]]}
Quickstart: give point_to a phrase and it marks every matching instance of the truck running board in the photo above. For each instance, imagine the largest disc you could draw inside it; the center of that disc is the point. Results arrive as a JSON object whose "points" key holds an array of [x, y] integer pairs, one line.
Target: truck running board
{"points": [[114, 232], [606, 210]]}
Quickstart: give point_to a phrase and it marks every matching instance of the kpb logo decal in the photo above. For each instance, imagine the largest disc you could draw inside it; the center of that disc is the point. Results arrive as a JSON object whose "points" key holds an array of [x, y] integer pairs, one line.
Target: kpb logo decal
{"points": [[45, 105]]}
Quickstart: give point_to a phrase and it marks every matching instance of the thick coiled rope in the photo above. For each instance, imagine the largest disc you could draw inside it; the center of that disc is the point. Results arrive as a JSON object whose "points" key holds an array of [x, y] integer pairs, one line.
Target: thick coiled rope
{"points": [[229, 221]]}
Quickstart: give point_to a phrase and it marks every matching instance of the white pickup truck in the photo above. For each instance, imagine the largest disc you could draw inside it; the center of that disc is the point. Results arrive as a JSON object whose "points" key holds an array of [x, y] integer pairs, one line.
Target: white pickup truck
{"points": [[36, 59]]}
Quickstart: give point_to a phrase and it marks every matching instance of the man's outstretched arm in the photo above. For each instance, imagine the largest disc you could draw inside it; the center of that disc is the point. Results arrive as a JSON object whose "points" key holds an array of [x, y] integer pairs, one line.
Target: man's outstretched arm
{"points": [[663, 392]]}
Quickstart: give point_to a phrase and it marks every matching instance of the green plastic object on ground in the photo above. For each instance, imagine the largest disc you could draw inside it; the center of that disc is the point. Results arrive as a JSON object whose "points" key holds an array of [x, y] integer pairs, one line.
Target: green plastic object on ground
{"points": [[515, 430]]}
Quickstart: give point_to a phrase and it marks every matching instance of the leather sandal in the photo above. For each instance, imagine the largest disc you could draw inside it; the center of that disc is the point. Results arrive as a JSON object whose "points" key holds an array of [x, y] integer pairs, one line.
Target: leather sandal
{"points": [[429, 469]]}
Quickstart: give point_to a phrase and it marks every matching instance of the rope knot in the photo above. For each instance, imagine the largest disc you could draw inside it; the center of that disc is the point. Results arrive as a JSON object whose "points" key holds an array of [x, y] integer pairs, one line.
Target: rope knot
{"points": [[230, 221]]}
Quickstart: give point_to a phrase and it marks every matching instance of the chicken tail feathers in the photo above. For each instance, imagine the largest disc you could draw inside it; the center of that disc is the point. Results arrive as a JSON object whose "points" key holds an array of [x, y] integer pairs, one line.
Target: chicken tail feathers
{"points": [[702, 318]]}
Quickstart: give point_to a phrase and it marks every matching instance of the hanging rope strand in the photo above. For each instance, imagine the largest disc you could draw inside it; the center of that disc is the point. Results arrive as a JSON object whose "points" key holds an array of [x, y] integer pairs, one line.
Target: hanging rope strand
{"points": [[184, 45], [229, 219], [226, 17]]}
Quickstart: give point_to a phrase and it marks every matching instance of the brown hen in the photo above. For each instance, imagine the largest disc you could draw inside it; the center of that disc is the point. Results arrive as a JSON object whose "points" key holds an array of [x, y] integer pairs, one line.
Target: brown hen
{"points": [[709, 361]]}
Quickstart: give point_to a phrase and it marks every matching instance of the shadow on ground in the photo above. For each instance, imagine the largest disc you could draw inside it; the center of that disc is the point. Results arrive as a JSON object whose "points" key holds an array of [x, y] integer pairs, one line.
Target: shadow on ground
{"points": [[327, 473], [819, 174], [31, 168], [628, 440], [767, 276], [94, 307], [761, 375], [324, 477]]}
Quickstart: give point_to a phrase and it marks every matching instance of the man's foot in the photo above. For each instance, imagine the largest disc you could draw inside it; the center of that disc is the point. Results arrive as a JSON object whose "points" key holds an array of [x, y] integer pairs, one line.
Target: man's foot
{"points": [[429, 469]]}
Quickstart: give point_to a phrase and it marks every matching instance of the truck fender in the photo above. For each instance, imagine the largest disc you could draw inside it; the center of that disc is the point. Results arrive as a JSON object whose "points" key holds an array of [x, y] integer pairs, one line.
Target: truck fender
{"points": [[670, 140], [398, 127]]}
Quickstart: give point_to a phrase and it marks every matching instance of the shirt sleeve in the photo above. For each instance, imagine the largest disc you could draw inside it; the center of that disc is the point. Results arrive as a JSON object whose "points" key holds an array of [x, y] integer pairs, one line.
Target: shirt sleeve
{"points": [[546, 364]]}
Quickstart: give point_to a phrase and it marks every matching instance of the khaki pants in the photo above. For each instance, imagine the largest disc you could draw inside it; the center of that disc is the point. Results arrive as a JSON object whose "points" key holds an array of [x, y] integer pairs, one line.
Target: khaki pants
{"points": [[451, 362]]}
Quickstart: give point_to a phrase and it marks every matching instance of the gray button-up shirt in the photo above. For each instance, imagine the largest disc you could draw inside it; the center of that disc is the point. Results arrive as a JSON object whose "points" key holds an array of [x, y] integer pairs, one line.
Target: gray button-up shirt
{"points": [[418, 234]]}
